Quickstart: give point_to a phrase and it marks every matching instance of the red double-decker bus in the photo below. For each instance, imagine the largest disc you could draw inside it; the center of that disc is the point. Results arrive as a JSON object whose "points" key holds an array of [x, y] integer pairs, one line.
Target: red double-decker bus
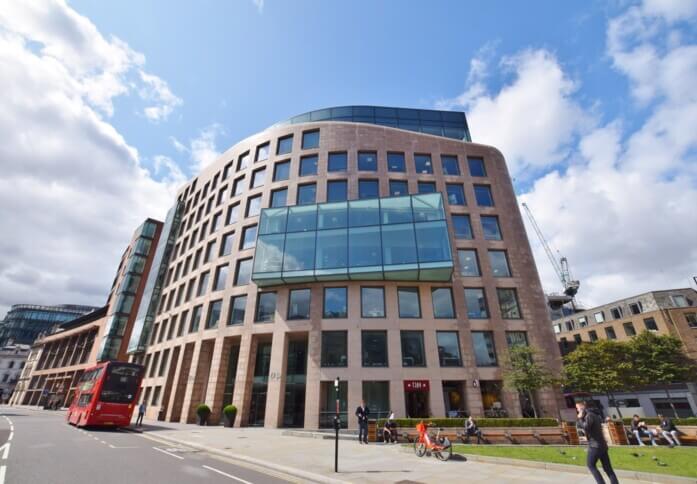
{"points": [[106, 395]]}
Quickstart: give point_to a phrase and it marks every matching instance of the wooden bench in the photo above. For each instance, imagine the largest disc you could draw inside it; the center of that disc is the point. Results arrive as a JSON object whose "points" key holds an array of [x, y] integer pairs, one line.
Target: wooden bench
{"points": [[495, 435], [687, 435]]}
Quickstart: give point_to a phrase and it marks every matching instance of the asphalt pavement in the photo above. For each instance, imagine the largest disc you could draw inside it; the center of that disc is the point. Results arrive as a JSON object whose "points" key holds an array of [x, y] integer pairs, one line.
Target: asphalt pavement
{"points": [[40, 447]]}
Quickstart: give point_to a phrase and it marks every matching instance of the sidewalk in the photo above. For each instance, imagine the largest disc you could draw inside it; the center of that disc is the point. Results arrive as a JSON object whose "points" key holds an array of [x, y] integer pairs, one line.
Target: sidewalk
{"points": [[313, 458]]}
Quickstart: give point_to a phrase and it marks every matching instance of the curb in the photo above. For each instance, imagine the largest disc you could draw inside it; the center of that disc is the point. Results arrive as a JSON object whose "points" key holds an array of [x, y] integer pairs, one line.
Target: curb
{"points": [[305, 475]]}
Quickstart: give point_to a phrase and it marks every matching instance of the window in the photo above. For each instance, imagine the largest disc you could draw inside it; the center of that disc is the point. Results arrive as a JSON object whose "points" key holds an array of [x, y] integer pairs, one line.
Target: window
{"points": [[450, 165], [395, 162], [195, 319], [448, 348], [499, 263], [599, 317], [238, 306], [427, 187], [490, 227], [308, 165], [337, 162], [636, 308], [214, 314], [156, 396], [299, 304], [203, 283], [569, 325], [398, 187], [442, 299], [593, 336], [335, 302], [243, 161], [413, 353], [253, 206], [484, 349], [476, 166], [233, 214], [680, 301], [372, 302], [508, 302], [367, 161], [222, 195], [306, 194], [483, 195], [310, 139], [262, 152], [476, 303], [408, 301], [249, 235], [374, 348], [281, 171], [285, 145], [266, 307], [238, 187], [610, 333], [337, 191], [691, 319], [582, 322], [629, 329], [190, 289], [279, 198], [226, 245], [462, 227], [226, 171], [258, 177], [334, 349], [220, 278], [456, 193], [368, 189], [243, 273], [616, 313], [423, 164], [516, 338], [650, 324], [469, 265]]}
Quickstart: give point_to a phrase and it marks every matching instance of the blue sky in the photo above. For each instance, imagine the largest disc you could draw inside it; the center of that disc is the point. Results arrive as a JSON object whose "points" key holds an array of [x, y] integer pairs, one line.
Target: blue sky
{"points": [[109, 107]]}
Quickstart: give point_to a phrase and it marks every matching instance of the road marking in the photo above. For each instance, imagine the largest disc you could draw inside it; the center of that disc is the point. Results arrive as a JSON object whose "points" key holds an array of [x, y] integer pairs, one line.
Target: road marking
{"points": [[165, 452], [6, 452], [126, 447], [12, 434], [103, 442], [226, 474], [2, 474]]}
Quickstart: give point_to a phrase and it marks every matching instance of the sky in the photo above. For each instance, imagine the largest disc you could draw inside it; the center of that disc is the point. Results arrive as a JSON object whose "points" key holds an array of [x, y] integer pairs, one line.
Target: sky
{"points": [[108, 107]]}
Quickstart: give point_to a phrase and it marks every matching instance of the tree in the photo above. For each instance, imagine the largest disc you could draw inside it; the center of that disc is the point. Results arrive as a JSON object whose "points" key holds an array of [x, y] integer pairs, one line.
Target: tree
{"points": [[661, 360], [604, 366], [524, 372]]}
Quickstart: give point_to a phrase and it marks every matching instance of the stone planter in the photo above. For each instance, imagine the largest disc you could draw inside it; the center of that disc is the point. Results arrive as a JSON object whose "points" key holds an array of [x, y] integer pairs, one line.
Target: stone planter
{"points": [[229, 420]]}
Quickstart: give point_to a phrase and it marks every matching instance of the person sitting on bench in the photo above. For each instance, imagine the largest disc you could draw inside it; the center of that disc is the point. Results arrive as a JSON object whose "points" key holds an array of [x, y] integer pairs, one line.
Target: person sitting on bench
{"points": [[472, 429], [389, 430], [640, 429]]}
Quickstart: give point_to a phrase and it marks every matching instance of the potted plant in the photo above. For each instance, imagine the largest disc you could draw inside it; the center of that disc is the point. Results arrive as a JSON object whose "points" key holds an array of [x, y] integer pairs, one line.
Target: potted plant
{"points": [[203, 411], [229, 414]]}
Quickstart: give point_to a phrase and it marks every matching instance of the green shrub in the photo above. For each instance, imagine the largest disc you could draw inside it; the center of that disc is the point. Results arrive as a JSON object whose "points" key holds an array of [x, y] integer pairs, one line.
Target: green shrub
{"points": [[230, 411], [481, 422], [203, 410], [655, 421]]}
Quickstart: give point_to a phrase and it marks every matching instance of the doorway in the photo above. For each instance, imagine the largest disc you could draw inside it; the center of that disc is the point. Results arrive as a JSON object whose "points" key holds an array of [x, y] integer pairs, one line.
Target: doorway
{"points": [[417, 404]]}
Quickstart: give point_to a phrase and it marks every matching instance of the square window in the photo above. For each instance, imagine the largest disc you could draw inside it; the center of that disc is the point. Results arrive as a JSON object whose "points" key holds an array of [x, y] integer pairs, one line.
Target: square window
{"points": [[226, 171], [279, 198], [226, 245], [475, 300], [484, 349], [368, 189], [337, 162], [516, 338], [266, 307], [423, 164], [448, 348], [499, 263], [483, 195], [395, 162], [215, 225], [374, 348], [409, 304], [238, 187], [690, 319], [243, 161], [367, 161], [490, 227], [372, 302], [335, 302], [450, 165], [398, 188], [650, 324], [220, 278], [195, 319], [593, 336], [233, 214], [469, 264], [258, 177], [307, 194], [310, 139], [610, 333], [462, 226], [213, 317], [281, 171], [413, 354], [456, 194], [599, 317], [249, 235], [442, 298], [476, 166], [337, 191], [308, 165], [238, 305], [508, 302], [427, 187], [299, 304], [334, 349], [285, 145], [262, 152], [253, 206], [203, 283]]}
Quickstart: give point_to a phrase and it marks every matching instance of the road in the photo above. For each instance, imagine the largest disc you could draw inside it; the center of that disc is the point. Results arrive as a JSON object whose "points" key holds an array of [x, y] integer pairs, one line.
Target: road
{"points": [[39, 447]]}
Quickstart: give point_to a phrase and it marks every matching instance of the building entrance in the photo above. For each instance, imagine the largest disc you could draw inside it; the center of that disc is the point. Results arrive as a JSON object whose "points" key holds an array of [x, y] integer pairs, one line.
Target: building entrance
{"points": [[294, 402], [416, 395]]}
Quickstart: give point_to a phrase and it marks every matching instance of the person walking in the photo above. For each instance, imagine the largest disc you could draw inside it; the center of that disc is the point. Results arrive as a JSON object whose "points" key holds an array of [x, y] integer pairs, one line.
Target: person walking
{"points": [[591, 422], [141, 412], [669, 431], [362, 413], [639, 429]]}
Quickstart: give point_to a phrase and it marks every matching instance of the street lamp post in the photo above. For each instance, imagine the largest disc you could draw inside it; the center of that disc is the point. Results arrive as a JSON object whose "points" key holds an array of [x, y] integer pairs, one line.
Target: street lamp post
{"points": [[337, 425]]}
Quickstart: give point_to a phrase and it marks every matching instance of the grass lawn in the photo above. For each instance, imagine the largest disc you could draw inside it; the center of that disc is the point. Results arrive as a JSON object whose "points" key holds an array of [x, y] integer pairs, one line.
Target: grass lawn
{"points": [[680, 461]]}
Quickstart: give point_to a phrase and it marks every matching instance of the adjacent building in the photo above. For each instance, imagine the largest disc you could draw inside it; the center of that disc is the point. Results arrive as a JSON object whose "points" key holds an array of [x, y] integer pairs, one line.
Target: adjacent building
{"points": [[375, 245], [23, 323], [12, 361], [671, 312]]}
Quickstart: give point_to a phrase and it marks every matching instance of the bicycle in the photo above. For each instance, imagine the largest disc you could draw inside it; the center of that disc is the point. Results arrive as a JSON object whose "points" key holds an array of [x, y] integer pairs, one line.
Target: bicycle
{"points": [[426, 444]]}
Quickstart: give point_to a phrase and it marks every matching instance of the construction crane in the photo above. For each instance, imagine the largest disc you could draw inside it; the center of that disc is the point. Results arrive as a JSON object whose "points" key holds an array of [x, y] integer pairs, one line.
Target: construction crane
{"points": [[561, 266]]}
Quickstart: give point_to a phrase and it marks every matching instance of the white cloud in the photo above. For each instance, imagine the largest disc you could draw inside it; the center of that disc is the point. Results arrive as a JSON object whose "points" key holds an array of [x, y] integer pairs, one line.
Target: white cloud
{"points": [[202, 149], [158, 92], [259, 4], [72, 189]]}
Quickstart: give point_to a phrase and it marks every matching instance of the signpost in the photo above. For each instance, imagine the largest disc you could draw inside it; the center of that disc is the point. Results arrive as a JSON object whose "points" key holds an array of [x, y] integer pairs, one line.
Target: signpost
{"points": [[337, 425]]}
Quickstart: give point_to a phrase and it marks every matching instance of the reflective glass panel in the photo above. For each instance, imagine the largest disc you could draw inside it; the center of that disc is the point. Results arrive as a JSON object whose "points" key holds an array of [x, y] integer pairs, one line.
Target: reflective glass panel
{"points": [[409, 302], [449, 348], [484, 349], [395, 162], [374, 348], [427, 187], [490, 227], [310, 139], [367, 161], [213, 314], [308, 165], [337, 191], [266, 307], [398, 188], [273, 221], [337, 162], [413, 353], [258, 178], [254, 206], [398, 246], [469, 265], [244, 272], [364, 212], [499, 263], [269, 253], [368, 189], [508, 302], [364, 250], [450, 165], [299, 304], [423, 164], [456, 194], [332, 249], [372, 302], [238, 305], [249, 235], [462, 226], [332, 215], [476, 166], [335, 302], [299, 251], [396, 210], [432, 242], [285, 145], [476, 303], [279, 198], [307, 194], [281, 171], [334, 348], [428, 207], [301, 219], [442, 298], [483, 195]]}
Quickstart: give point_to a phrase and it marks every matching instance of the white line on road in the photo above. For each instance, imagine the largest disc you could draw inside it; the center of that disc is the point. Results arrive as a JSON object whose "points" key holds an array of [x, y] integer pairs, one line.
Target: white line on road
{"points": [[103, 442], [165, 452], [12, 434], [2, 474], [6, 452], [226, 474]]}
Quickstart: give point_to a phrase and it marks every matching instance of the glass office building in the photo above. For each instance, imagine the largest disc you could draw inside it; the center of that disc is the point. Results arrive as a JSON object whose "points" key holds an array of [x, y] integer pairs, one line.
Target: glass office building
{"points": [[23, 323], [377, 245]]}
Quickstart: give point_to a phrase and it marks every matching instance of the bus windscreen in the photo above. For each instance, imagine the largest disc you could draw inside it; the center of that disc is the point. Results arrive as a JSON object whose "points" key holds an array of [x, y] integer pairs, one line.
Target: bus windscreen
{"points": [[120, 384]]}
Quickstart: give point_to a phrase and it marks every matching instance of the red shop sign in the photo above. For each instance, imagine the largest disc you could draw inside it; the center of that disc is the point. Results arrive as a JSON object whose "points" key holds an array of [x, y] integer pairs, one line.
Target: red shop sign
{"points": [[416, 385]]}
